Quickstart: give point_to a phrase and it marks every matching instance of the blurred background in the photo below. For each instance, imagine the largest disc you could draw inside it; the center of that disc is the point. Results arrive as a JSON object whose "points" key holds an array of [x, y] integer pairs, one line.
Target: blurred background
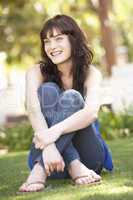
{"points": [[108, 25]]}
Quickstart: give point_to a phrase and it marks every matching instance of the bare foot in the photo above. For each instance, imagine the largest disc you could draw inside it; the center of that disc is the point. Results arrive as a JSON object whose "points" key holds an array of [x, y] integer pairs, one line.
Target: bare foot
{"points": [[81, 175], [35, 181]]}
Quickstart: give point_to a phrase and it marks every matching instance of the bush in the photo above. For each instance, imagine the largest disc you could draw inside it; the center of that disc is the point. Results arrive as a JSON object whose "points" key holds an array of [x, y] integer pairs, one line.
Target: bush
{"points": [[18, 137], [112, 126], [115, 125]]}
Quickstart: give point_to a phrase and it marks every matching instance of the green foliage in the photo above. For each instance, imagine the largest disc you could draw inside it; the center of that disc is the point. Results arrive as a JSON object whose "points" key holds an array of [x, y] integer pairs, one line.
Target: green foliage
{"points": [[18, 137], [21, 22], [123, 21], [112, 126], [115, 125]]}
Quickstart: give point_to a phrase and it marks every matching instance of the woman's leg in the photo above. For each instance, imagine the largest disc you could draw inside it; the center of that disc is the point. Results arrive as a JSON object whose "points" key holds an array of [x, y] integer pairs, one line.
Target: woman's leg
{"points": [[89, 148], [54, 105], [70, 102], [85, 140]]}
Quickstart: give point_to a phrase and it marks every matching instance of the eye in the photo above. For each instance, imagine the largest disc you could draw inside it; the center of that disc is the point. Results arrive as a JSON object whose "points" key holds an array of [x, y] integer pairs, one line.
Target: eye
{"points": [[46, 41], [59, 38]]}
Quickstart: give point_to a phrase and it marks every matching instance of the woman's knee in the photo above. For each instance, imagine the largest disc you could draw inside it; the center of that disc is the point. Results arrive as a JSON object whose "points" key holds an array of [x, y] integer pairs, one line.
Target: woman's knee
{"points": [[71, 99], [50, 87], [48, 94]]}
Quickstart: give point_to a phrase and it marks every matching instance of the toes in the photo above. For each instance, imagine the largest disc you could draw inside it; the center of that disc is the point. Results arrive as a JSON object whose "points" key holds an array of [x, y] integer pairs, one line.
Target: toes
{"points": [[31, 187], [88, 180], [85, 180], [78, 181], [34, 187], [39, 187], [22, 187], [95, 176]]}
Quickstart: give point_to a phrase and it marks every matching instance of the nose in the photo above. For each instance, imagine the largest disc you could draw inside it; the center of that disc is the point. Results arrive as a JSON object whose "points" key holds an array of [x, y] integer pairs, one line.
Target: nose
{"points": [[53, 45]]}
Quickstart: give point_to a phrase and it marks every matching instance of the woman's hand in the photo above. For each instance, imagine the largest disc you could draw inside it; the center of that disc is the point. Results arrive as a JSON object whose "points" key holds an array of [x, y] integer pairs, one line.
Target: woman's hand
{"points": [[42, 140], [53, 161]]}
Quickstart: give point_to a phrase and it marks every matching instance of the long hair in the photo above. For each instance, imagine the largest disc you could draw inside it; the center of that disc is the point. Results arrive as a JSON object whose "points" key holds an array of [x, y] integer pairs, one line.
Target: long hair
{"points": [[81, 55]]}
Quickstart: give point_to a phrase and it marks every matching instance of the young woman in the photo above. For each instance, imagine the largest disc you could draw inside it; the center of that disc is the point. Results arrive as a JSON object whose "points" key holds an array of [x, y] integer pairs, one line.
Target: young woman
{"points": [[62, 99]]}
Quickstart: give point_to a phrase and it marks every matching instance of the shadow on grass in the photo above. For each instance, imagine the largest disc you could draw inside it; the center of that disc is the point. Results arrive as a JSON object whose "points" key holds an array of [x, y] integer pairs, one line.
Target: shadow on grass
{"points": [[13, 167], [119, 196]]}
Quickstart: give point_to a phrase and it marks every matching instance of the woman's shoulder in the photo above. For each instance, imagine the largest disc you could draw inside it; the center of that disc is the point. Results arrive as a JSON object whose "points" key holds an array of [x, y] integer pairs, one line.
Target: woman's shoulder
{"points": [[35, 71], [93, 73]]}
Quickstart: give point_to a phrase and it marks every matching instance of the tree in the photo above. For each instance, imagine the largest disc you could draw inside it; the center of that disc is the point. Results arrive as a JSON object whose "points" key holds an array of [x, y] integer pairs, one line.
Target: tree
{"points": [[102, 7]]}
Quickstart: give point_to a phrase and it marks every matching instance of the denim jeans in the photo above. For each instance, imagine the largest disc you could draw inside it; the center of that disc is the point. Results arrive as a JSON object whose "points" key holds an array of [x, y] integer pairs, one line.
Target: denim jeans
{"points": [[56, 105]]}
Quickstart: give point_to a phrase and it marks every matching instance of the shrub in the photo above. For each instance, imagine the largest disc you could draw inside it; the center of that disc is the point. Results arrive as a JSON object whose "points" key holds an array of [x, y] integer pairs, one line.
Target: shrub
{"points": [[112, 126], [18, 137], [115, 125]]}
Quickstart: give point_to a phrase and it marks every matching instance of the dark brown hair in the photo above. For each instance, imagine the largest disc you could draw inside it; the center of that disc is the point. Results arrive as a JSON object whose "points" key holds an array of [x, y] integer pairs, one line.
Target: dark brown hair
{"points": [[81, 54]]}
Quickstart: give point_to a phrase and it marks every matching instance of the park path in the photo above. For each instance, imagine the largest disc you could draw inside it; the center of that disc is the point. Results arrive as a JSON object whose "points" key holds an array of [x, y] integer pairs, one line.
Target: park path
{"points": [[12, 96]]}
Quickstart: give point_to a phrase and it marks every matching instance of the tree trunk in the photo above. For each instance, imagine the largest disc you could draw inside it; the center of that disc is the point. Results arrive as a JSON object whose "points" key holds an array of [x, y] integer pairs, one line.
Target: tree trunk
{"points": [[107, 33]]}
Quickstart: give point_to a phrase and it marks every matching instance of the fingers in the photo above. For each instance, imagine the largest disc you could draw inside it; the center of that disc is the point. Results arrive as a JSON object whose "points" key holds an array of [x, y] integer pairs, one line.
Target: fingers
{"points": [[34, 140], [60, 166], [47, 169], [38, 144], [41, 146], [51, 167], [63, 165]]}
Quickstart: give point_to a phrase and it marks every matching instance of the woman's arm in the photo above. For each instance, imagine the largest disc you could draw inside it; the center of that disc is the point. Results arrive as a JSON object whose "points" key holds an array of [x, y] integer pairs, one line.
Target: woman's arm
{"points": [[53, 159], [88, 114], [33, 80]]}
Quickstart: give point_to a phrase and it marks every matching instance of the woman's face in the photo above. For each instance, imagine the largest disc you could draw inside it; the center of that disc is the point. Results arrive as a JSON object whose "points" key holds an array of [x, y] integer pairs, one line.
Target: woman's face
{"points": [[58, 47]]}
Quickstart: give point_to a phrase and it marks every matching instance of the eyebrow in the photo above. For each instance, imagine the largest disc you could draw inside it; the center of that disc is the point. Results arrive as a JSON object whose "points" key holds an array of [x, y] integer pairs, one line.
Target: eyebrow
{"points": [[54, 36]]}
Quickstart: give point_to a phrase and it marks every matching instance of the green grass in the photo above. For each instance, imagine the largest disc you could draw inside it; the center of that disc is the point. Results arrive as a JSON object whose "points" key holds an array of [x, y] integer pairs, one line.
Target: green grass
{"points": [[115, 186]]}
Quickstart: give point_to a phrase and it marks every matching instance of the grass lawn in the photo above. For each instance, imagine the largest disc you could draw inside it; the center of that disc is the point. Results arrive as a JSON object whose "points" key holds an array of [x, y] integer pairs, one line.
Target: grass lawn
{"points": [[115, 186]]}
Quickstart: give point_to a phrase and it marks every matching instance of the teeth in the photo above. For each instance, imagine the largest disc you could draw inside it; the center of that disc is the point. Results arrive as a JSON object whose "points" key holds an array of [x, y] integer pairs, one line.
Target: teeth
{"points": [[55, 53]]}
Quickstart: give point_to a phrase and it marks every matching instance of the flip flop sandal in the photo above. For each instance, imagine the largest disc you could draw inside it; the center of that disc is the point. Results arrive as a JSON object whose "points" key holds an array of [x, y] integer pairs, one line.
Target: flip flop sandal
{"points": [[96, 182], [93, 175], [30, 191]]}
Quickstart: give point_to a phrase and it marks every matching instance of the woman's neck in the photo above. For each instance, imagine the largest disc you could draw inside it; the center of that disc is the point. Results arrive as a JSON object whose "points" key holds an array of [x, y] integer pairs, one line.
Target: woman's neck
{"points": [[65, 69]]}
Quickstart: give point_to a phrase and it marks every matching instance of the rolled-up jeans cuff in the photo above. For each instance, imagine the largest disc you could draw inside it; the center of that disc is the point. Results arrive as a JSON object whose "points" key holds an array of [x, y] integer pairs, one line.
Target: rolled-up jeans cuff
{"points": [[70, 158]]}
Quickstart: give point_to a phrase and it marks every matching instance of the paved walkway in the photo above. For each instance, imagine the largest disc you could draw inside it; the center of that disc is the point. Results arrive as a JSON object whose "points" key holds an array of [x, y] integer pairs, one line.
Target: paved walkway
{"points": [[120, 88], [12, 97]]}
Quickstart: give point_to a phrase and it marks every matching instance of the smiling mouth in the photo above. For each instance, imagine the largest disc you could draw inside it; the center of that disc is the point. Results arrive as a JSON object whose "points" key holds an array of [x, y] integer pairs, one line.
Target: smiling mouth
{"points": [[56, 53]]}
